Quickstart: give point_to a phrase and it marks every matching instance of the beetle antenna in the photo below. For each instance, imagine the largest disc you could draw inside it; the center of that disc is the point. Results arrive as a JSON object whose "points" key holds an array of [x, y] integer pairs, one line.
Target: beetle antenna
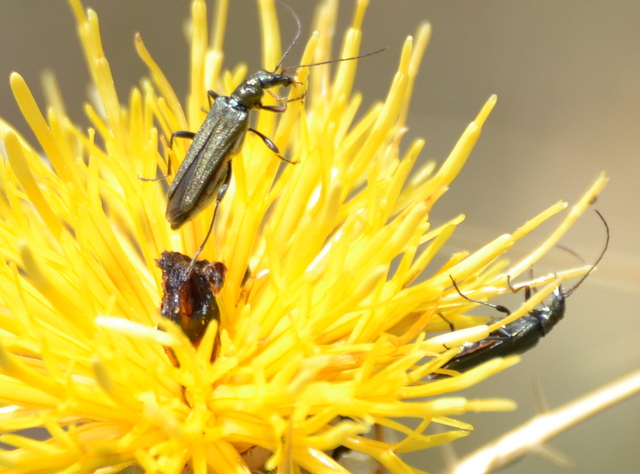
{"points": [[334, 60], [584, 277], [571, 251], [295, 40]]}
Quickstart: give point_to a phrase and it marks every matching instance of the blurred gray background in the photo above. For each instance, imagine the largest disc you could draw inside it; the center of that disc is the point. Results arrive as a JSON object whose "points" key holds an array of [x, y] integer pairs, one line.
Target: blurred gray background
{"points": [[567, 75]]}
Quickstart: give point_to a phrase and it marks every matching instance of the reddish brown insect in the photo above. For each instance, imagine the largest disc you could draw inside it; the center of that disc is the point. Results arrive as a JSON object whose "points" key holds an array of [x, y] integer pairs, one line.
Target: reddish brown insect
{"points": [[189, 293]]}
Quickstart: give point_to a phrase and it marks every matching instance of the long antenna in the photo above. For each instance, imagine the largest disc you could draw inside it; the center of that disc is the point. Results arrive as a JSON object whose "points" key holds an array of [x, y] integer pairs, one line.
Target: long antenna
{"points": [[331, 61], [584, 277], [295, 40]]}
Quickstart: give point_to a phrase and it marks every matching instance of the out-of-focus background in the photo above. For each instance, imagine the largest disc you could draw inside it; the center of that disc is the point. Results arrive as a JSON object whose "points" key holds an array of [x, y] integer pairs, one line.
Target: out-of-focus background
{"points": [[567, 75]]}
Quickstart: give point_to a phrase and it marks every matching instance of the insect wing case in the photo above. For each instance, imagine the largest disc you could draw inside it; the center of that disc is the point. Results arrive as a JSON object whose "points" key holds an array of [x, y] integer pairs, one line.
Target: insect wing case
{"points": [[206, 166]]}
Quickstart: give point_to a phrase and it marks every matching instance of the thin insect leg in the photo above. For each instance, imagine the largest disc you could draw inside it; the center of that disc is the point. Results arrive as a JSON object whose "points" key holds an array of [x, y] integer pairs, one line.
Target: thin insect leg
{"points": [[286, 99], [273, 108], [212, 97], [527, 288], [221, 192], [157, 178], [179, 134], [531, 290], [272, 146], [451, 326], [497, 307], [304, 94]]}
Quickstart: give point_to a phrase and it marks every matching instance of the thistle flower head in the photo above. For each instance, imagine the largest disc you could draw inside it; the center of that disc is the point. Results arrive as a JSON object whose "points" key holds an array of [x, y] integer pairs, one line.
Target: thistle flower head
{"points": [[324, 328]]}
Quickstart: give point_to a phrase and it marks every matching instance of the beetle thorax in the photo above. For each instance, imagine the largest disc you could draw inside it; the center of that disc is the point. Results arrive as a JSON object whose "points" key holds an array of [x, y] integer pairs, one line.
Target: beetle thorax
{"points": [[551, 315], [249, 93]]}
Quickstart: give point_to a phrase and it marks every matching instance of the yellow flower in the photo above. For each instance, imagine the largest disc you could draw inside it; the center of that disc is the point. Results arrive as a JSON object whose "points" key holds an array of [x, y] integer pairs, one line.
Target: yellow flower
{"points": [[329, 336]]}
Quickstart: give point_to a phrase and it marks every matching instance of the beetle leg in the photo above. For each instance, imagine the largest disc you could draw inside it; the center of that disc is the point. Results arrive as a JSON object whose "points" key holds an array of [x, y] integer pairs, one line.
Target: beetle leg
{"points": [[497, 307], [178, 134], [272, 146], [181, 134], [451, 326], [212, 96], [273, 108], [221, 192], [286, 99], [527, 288]]}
